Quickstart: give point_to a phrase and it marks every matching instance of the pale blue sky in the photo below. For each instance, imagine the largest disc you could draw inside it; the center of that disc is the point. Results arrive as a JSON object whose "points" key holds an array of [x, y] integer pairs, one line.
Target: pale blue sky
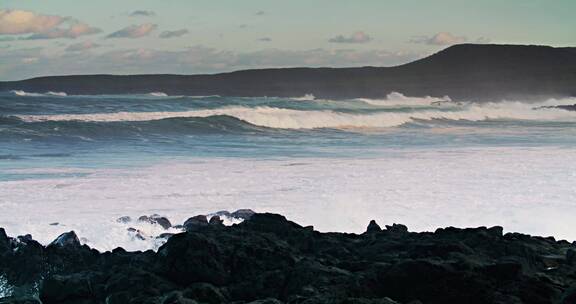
{"points": [[230, 35]]}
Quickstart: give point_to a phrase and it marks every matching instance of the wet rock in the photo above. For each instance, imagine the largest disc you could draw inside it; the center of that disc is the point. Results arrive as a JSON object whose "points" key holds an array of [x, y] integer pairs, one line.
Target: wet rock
{"points": [[124, 219], [165, 235], [373, 227], [19, 300], [266, 301], [205, 293], [269, 259], [216, 221], [243, 214], [67, 239], [137, 233], [156, 219], [195, 222]]}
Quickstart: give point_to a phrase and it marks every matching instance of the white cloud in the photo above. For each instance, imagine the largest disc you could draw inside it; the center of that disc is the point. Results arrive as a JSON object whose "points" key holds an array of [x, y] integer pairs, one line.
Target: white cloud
{"points": [[357, 37], [21, 22], [442, 38], [82, 46], [172, 34], [134, 31], [142, 13]]}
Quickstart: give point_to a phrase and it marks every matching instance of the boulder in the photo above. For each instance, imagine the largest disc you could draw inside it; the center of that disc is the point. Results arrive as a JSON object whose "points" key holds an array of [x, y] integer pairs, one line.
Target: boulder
{"points": [[244, 214], [67, 239], [156, 219], [216, 221], [195, 222]]}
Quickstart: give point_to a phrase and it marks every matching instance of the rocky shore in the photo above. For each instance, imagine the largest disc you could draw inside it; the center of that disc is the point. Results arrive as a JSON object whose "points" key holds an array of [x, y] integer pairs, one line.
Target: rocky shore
{"points": [[268, 259]]}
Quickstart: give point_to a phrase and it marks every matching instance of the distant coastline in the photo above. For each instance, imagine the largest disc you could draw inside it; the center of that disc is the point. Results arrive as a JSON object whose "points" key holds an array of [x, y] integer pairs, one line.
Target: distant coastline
{"points": [[475, 72]]}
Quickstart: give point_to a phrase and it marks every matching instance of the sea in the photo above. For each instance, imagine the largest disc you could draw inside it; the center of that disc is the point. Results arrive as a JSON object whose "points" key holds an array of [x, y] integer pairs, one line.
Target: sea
{"points": [[71, 162]]}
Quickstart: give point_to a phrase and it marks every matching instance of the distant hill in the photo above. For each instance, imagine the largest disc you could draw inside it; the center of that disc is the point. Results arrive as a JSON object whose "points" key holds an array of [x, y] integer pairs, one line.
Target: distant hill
{"points": [[465, 71]]}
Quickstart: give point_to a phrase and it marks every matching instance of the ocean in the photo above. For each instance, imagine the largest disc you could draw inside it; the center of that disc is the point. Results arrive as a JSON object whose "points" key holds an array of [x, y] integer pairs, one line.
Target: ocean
{"points": [[80, 162]]}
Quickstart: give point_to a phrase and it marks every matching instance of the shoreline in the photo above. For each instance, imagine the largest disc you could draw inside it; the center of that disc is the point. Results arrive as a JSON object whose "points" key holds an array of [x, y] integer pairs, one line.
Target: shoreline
{"points": [[269, 259]]}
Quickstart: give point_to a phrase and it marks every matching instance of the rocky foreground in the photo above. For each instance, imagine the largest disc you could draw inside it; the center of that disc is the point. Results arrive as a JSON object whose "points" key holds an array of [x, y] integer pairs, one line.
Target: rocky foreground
{"points": [[268, 259]]}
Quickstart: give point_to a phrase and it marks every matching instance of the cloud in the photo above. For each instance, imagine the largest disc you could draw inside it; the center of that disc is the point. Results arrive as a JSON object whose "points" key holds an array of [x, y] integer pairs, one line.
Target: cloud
{"points": [[442, 38], [82, 46], [134, 31], [357, 37], [260, 13], [142, 13], [265, 39], [172, 34], [21, 22]]}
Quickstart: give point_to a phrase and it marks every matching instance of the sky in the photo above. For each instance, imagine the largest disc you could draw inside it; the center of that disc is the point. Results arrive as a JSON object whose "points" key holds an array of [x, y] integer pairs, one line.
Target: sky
{"points": [[63, 37]]}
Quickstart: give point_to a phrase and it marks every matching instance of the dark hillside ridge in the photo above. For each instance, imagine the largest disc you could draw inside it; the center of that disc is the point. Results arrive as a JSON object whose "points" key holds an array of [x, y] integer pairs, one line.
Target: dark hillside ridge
{"points": [[465, 71]]}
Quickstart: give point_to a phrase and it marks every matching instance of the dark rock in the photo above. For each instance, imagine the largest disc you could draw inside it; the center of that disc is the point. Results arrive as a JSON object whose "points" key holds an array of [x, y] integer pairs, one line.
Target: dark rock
{"points": [[373, 227], [165, 235], [54, 224], [397, 229], [124, 219], [19, 300], [25, 238], [195, 222], [156, 219], [269, 259], [215, 220], [243, 214], [205, 293], [67, 239], [266, 301]]}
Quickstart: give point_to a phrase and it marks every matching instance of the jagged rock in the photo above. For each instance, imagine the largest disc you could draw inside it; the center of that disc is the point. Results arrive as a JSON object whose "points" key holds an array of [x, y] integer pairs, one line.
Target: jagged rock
{"points": [[373, 227], [397, 229], [268, 259], [67, 239], [195, 222], [243, 214]]}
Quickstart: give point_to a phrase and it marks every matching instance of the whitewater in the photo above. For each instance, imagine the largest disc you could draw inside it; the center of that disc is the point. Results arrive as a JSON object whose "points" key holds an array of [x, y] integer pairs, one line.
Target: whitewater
{"points": [[80, 162]]}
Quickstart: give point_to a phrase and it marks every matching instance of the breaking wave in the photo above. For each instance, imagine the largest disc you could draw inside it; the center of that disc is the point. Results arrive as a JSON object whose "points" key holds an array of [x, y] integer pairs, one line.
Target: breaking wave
{"points": [[281, 118]]}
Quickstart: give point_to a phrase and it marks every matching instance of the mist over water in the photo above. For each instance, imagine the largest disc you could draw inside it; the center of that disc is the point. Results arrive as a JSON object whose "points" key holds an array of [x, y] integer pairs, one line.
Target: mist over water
{"points": [[83, 161]]}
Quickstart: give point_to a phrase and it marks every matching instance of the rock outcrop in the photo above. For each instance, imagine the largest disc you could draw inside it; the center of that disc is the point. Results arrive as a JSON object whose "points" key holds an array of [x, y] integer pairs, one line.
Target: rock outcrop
{"points": [[268, 259]]}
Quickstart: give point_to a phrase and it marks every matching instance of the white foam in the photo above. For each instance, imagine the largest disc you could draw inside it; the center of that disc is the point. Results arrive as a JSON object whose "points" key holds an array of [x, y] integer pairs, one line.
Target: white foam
{"points": [[306, 97], [296, 119], [399, 99], [526, 190], [30, 94], [61, 94], [158, 94], [5, 289]]}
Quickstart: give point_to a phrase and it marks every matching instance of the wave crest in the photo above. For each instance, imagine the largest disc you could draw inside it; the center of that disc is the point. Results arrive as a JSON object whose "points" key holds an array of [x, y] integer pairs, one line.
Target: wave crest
{"points": [[272, 117]]}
